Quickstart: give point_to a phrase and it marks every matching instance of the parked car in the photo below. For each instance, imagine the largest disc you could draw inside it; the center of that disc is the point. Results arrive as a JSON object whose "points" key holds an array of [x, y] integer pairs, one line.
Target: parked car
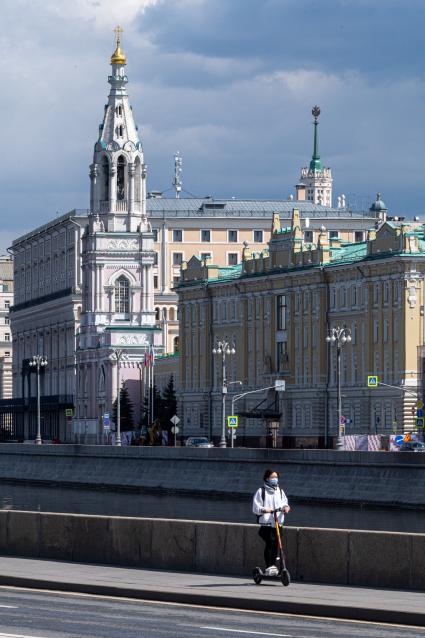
{"points": [[198, 441], [412, 446]]}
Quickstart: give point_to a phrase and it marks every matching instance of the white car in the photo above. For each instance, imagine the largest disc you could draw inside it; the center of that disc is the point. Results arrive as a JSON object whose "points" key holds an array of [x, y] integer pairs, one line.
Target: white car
{"points": [[198, 441]]}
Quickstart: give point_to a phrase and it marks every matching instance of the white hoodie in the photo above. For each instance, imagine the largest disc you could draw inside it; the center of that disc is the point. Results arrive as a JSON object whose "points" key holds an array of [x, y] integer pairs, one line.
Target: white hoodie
{"points": [[273, 499]]}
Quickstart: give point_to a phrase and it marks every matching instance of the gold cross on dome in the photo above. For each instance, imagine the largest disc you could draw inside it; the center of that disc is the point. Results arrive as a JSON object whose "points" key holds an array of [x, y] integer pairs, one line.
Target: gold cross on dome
{"points": [[118, 30]]}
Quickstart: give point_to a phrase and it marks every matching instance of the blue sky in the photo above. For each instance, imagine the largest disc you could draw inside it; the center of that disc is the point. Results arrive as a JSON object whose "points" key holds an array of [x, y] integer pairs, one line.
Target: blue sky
{"points": [[230, 83]]}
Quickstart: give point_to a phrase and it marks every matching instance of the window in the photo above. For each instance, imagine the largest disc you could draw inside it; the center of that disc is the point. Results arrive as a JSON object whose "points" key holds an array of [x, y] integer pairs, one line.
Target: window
{"points": [[308, 236], [281, 312], [6, 320], [155, 281], [232, 236], [7, 303], [155, 234], [7, 336], [177, 235], [176, 280], [386, 292], [121, 178], [5, 287], [205, 256], [7, 353], [258, 236], [122, 295], [282, 355], [176, 345], [105, 179], [155, 259], [157, 314], [333, 234], [375, 331], [177, 259], [358, 236], [205, 235], [354, 296], [232, 259]]}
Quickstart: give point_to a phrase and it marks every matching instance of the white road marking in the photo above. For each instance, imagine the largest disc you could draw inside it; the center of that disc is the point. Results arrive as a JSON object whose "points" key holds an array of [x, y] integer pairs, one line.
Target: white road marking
{"points": [[9, 607], [245, 631], [18, 636]]}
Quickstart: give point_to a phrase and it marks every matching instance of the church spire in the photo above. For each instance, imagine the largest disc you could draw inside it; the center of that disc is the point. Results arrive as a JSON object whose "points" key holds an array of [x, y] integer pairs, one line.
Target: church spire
{"points": [[316, 164]]}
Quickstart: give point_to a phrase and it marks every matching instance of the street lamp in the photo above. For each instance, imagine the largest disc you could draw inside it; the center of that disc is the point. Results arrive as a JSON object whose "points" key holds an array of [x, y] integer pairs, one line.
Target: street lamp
{"points": [[223, 348], [117, 356], [38, 361], [339, 337]]}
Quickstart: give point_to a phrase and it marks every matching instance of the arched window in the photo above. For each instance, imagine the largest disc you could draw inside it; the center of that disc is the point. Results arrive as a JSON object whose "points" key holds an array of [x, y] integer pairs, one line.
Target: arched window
{"points": [[157, 315], [105, 179], [122, 295], [171, 314], [176, 345], [121, 178]]}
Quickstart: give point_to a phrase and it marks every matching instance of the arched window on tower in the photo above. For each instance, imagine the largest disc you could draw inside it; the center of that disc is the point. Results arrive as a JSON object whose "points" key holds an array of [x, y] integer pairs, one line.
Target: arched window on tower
{"points": [[122, 295], [137, 180], [104, 180], [176, 345], [121, 178]]}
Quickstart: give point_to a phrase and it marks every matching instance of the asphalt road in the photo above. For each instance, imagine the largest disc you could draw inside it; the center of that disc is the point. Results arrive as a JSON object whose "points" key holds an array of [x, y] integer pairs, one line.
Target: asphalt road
{"points": [[37, 614]]}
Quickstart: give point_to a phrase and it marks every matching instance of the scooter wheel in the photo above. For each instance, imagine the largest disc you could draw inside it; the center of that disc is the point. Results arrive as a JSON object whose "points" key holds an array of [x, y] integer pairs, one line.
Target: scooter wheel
{"points": [[285, 577], [257, 576]]}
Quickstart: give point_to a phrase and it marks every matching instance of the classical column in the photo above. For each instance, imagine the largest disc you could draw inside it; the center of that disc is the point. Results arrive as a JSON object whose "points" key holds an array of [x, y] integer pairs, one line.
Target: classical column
{"points": [[112, 187], [94, 194], [164, 258], [131, 171]]}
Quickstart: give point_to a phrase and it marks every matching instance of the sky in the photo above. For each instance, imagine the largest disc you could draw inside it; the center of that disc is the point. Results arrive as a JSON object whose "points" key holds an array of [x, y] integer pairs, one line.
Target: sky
{"points": [[228, 83]]}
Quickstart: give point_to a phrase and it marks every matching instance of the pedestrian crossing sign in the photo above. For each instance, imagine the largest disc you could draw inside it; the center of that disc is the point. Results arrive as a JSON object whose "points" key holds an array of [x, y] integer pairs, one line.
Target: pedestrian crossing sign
{"points": [[420, 422], [232, 421], [372, 381]]}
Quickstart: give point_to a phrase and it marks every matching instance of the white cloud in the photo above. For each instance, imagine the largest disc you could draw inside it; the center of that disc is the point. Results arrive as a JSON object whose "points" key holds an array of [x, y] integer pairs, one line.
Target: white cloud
{"points": [[103, 13]]}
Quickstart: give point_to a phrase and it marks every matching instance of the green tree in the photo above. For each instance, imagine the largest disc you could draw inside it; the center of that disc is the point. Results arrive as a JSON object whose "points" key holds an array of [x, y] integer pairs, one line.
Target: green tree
{"points": [[169, 404], [126, 410], [157, 406]]}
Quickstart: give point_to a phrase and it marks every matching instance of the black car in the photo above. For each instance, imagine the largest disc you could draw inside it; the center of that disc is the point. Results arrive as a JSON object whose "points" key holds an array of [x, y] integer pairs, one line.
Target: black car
{"points": [[412, 446]]}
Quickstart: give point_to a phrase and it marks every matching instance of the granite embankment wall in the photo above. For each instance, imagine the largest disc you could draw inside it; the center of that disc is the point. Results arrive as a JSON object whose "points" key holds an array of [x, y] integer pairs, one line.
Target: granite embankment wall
{"points": [[381, 478], [371, 559]]}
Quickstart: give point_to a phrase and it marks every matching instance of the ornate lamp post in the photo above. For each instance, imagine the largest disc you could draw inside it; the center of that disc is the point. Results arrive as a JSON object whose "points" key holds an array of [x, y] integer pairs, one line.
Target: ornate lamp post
{"points": [[339, 337], [38, 362], [223, 348], [117, 356]]}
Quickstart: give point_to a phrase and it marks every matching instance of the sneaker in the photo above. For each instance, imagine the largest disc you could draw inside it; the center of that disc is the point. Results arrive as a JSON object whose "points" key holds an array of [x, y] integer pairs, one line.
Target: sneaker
{"points": [[272, 570]]}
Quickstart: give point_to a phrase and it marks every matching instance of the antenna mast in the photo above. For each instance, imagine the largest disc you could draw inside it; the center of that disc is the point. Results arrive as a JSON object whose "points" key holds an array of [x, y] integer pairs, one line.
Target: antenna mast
{"points": [[177, 181]]}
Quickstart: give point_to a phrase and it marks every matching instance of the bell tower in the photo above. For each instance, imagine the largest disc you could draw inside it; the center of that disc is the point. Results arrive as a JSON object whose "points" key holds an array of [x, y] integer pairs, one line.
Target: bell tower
{"points": [[118, 171], [316, 178], [117, 259]]}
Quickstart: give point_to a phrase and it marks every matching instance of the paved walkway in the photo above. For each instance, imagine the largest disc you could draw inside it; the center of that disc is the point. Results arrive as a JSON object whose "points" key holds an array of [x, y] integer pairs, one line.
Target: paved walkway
{"points": [[380, 605]]}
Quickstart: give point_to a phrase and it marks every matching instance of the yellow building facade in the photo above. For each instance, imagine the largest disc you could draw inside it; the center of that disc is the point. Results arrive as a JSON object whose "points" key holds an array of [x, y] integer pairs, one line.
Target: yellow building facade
{"points": [[277, 307]]}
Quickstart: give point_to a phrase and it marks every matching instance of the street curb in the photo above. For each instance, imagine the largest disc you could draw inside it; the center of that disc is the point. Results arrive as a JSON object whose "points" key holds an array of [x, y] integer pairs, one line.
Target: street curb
{"points": [[328, 610]]}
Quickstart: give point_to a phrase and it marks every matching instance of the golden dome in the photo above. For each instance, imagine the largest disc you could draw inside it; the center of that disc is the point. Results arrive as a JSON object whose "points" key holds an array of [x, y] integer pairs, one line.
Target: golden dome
{"points": [[118, 56]]}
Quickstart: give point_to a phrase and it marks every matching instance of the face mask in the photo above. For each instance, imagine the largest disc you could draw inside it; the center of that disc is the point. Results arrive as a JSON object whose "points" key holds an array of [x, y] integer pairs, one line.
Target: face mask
{"points": [[273, 482]]}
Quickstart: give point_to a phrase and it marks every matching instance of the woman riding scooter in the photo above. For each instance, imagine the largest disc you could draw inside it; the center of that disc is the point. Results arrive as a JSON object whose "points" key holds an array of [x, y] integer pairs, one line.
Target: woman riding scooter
{"points": [[267, 499]]}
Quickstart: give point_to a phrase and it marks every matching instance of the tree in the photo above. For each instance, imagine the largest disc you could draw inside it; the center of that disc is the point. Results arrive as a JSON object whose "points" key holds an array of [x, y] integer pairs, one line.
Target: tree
{"points": [[169, 404], [157, 406], [126, 410]]}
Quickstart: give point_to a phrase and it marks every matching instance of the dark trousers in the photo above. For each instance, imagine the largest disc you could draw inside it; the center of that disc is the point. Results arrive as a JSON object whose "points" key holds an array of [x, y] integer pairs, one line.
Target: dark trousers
{"points": [[268, 534]]}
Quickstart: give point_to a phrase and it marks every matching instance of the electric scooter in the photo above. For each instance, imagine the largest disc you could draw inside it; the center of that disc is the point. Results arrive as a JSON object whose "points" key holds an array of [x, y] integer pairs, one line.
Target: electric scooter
{"points": [[282, 573]]}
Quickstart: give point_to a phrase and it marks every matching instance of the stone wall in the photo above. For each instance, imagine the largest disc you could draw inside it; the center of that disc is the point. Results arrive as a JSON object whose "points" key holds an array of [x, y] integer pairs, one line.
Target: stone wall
{"points": [[380, 478], [369, 559]]}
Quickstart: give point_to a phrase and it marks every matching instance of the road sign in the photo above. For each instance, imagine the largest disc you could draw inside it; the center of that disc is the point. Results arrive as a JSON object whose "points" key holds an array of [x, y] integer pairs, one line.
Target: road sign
{"points": [[419, 413], [372, 381], [342, 429], [398, 440], [420, 422], [69, 412], [407, 437], [280, 385], [175, 429], [419, 404], [175, 420], [342, 420], [232, 421], [106, 420], [348, 421]]}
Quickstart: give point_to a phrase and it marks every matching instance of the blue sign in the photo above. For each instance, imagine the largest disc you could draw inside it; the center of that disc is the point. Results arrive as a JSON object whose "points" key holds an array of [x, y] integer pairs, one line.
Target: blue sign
{"points": [[398, 440], [419, 413], [106, 421]]}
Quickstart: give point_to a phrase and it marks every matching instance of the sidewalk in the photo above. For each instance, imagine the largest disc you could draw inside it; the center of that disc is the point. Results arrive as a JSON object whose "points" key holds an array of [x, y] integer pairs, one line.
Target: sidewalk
{"points": [[356, 603]]}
